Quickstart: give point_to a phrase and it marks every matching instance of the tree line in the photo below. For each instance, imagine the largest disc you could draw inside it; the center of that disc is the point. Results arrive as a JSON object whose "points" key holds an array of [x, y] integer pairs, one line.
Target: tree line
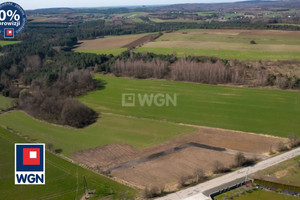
{"points": [[54, 102], [196, 69]]}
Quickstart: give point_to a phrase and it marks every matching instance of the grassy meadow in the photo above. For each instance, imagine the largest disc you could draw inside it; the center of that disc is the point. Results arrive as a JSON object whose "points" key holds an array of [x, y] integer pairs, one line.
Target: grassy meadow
{"points": [[4, 43], [287, 172], [256, 195], [64, 180], [139, 133], [229, 44], [5, 102], [274, 112]]}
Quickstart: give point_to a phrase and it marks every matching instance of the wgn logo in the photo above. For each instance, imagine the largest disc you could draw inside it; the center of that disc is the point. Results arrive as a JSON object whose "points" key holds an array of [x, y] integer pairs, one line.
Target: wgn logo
{"points": [[29, 164], [158, 100]]}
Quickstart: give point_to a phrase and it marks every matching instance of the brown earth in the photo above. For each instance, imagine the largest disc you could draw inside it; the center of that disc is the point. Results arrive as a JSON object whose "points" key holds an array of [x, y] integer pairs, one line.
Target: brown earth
{"points": [[143, 40], [169, 169], [108, 42], [152, 166]]}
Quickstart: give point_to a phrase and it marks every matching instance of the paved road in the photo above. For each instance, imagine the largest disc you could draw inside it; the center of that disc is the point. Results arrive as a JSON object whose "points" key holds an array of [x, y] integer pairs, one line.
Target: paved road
{"points": [[197, 192]]}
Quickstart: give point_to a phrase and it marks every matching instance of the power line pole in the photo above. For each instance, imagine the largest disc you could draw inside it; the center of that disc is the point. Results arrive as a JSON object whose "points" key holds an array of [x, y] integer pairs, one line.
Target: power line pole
{"points": [[86, 189]]}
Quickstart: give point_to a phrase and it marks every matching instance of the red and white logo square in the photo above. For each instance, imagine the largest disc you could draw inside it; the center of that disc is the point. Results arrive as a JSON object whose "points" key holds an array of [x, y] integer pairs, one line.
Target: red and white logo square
{"points": [[31, 156], [9, 32]]}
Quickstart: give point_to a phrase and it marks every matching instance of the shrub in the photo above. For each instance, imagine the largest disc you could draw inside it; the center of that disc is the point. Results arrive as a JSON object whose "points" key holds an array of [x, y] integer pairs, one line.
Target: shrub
{"points": [[1, 87], [49, 146], [152, 192], [282, 147], [184, 180], [57, 151], [240, 159], [294, 140], [297, 83], [271, 79], [220, 168], [5, 93], [77, 114], [200, 176]]}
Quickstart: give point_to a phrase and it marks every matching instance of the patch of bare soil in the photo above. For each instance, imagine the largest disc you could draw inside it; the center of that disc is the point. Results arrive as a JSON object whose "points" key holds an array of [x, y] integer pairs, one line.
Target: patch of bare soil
{"points": [[106, 156], [107, 43], [164, 164], [236, 140], [169, 169], [143, 40]]}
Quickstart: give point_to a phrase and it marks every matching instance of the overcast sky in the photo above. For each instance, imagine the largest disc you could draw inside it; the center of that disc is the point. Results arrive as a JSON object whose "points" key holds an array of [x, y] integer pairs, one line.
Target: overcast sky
{"points": [[34, 4]]}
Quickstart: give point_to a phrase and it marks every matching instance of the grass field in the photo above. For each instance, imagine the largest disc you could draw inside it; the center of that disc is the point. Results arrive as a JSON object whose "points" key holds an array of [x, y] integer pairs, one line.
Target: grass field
{"points": [[230, 15], [134, 14], [64, 180], [108, 51], [256, 195], [109, 129], [287, 172], [173, 20], [229, 44], [274, 112], [5, 102], [203, 14], [4, 43]]}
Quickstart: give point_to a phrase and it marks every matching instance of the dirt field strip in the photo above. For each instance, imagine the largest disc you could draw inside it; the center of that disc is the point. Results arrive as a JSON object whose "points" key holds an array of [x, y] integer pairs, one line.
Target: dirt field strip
{"points": [[142, 40], [186, 154], [108, 42], [164, 153]]}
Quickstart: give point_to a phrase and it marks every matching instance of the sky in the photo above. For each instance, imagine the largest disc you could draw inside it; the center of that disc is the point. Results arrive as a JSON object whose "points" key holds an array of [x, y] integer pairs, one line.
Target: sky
{"points": [[34, 4]]}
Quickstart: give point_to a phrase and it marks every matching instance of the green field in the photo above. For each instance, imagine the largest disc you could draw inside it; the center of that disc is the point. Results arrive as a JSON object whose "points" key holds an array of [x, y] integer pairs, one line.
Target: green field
{"points": [[274, 112], [138, 20], [256, 195], [203, 14], [230, 15], [228, 44], [173, 20], [115, 51], [134, 14], [109, 129], [4, 43], [5, 102], [287, 172], [64, 180]]}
